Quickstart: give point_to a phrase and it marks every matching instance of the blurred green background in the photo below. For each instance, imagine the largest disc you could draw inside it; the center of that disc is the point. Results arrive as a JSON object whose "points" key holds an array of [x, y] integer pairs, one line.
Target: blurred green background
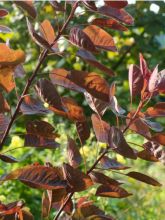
{"points": [[146, 36]]}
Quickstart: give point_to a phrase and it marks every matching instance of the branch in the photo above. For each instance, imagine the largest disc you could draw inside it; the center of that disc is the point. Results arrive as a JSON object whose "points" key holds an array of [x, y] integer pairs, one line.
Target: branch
{"points": [[42, 57], [71, 194]]}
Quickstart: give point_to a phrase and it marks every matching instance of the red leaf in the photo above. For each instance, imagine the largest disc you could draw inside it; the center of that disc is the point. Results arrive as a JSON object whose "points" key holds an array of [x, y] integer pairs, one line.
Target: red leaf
{"points": [[74, 156], [96, 105], [117, 3], [47, 31], [147, 155], [8, 158], [49, 93], [112, 191], [135, 80], [57, 6], [100, 38], [38, 176], [107, 163], [157, 81], [160, 138], [46, 205], [89, 58], [143, 178], [90, 5], [3, 12], [92, 83], [77, 180], [101, 129], [144, 67], [4, 107], [4, 121], [31, 106], [81, 39], [83, 131], [28, 7], [60, 77], [11, 208], [119, 144], [40, 134], [118, 14], [157, 110], [109, 23], [101, 178]]}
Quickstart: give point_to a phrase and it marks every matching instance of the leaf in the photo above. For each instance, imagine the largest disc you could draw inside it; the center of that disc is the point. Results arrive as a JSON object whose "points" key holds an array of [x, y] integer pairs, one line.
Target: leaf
{"points": [[81, 39], [49, 94], [11, 208], [143, 178], [26, 216], [107, 163], [101, 178], [8, 158], [119, 144], [77, 180], [118, 14], [46, 205], [90, 5], [147, 155], [60, 77], [3, 12], [5, 29], [95, 104], [68, 208], [117, 3], [100, 38], [32, 106], [4, 121], [47, 31], [135, 80], [156, 80], [144, 67], [6, 78], [99, 217], [37, 176], [109, 23], [83, 130], [38, 39], [10, 57], [92, 83], [74, 156], [4, 106], [101, 129], [57, 6], [157, 110], [154, 125], [28, 7], [112, 191], [138, 125], [40, 134], [117, 110], [89, 58], [160, 138]]}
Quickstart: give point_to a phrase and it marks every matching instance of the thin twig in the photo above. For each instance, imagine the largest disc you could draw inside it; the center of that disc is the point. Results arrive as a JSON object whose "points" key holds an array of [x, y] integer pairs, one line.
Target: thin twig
{"points": [[42, 57]]}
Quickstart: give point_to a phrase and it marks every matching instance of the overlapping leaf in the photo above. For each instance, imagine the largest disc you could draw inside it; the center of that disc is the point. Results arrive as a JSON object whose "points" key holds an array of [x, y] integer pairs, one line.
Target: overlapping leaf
{"points": [[109, 23], [92, 83], [117, 3], [81, 39], [28, 6], [83, 130], [112, 191], [100, 38], [32, 106], [77, 180], [11, 208], [40, 134], [157, 110], [108, 163], [101, 129], [60, 77], [119, 144], [118, 14], [74, 156], [37, 176]]}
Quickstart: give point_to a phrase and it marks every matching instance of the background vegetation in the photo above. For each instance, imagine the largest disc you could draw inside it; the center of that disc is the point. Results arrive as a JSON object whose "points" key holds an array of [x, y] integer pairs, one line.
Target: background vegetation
{"points": [[146, 36]]}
